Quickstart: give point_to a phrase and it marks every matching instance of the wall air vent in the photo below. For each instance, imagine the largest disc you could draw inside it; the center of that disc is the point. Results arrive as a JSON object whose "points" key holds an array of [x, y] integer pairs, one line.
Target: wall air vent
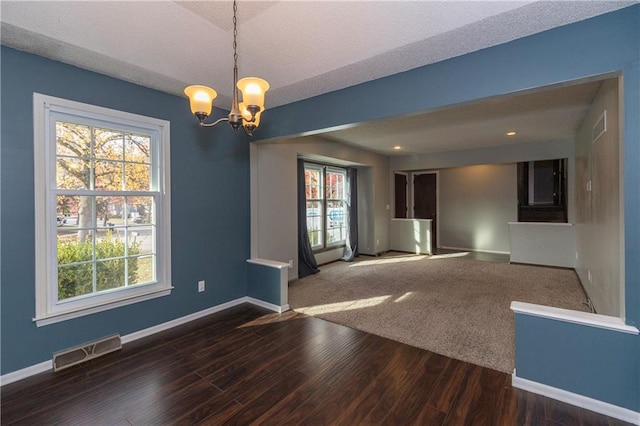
{"points": [[73, 356], [600, 127]]}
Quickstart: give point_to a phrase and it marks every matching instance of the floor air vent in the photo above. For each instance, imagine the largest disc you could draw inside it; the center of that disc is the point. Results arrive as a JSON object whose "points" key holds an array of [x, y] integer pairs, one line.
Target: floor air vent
{"points": [[85, 352]]}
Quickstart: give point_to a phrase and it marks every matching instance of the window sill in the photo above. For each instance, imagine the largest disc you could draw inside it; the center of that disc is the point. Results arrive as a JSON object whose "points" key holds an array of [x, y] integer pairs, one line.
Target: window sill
{"points": [[329, 248], [64, 316]]}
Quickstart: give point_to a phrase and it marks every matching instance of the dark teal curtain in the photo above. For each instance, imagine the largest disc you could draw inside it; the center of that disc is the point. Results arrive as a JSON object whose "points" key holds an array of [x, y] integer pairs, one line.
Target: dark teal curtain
{"points": [[307, 264]]}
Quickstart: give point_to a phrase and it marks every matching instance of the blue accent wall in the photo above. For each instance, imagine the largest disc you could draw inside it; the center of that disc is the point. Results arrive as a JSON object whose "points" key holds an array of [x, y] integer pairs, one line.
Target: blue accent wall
{"points": [[263, 283], [594, 362], [605, 44], [210, 209]]}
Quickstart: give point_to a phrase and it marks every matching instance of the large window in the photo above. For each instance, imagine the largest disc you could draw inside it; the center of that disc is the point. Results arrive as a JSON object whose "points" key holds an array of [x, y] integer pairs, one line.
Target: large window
{"points": [[102, 208], [325, 190]]}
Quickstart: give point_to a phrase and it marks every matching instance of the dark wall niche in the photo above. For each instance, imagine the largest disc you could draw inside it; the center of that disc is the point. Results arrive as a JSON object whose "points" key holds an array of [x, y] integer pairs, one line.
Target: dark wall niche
{"points": [[542, 191]]}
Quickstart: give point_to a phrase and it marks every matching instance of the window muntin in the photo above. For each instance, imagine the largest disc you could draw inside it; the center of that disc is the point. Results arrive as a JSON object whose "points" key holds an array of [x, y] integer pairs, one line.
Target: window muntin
{"points": [[102, 208], [325, 190]]}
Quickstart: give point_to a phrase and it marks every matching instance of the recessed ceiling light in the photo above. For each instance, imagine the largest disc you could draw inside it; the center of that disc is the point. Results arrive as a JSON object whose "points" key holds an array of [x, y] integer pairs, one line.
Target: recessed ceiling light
{"points": [[397, 147], [512, 133]]}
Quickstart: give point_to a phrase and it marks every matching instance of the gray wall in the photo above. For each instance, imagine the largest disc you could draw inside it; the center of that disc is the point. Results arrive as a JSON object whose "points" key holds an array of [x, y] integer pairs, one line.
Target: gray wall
{"points": [[599, 224], [476, 203], [274, 195]]}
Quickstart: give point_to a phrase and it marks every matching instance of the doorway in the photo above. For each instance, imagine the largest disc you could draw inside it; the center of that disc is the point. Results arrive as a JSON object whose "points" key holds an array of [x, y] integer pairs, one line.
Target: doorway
{"points": [[400, 195], [425, 201]]}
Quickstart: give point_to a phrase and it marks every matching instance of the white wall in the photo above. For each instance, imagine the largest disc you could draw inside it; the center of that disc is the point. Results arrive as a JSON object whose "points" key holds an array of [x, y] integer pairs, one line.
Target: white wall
{"points": [[411, 235], [538, 243], [599, 222], [274, 195], [460, 223], [493, 155], [476, 204]]}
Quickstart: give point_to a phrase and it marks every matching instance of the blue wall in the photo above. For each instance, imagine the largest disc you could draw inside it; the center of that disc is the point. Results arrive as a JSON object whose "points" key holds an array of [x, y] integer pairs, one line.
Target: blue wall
{"points": [[604, 44], [263, 283], [210, 209], [594, 362]]}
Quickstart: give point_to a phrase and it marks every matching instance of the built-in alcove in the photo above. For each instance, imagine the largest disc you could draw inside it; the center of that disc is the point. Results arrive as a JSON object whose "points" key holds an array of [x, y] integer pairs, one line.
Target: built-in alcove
{"points": [[542, 191]]}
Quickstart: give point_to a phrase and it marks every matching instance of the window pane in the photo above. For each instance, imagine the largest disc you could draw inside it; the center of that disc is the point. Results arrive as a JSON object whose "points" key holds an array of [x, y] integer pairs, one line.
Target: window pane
{"points": [[110, 245], [71, 248], [315, 222], [67, 210], [337, 221], [75, 280], [73, 173], [108, 175], [312, 181], [109, 144], [140, 210], [315, 238], [335, 185], [110, 274], [137, 177], [335, 235], [75, 213], [73, 139], [137, 148], [109, 212], [140, 240], [141, 269]]}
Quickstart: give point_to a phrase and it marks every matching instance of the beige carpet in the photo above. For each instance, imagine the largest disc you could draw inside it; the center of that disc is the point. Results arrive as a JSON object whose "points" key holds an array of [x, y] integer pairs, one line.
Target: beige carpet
{"points": [[449, 305]]}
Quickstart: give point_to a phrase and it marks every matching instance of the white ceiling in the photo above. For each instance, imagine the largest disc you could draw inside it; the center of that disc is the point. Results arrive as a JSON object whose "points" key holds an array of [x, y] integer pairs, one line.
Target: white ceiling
{"points": [[303, 48], [544, 114]]}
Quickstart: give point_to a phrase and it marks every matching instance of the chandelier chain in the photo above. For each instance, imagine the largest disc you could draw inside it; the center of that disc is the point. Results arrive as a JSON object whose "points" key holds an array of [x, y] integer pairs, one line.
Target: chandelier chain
{"points": [[201, 97], [235, 33]]}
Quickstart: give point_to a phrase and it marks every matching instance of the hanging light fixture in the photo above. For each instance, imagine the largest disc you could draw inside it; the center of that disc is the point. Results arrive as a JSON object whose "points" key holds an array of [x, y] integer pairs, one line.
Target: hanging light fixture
{"points": [[245, 114]]}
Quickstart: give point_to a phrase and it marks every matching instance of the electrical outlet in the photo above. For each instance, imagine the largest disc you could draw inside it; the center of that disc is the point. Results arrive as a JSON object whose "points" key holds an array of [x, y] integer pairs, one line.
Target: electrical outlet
{"points": [[201, 286], [589, 275], [291, 264], [377, 242]]}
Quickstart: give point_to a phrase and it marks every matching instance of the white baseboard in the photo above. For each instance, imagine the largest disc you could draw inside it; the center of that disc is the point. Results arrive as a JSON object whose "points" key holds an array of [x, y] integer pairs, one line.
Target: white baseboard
{"points": [[576, 399], [32, 370], [179, 321], [45, 366], [266, 305]]}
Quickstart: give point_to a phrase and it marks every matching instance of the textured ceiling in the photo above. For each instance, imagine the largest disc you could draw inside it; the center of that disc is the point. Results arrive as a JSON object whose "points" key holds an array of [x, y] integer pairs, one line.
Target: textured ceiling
{"points": [[539, 115], [303, 48]]}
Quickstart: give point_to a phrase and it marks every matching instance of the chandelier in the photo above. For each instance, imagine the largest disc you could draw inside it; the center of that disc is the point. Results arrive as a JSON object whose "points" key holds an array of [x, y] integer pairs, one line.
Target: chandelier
{"points": [[245, 114]]}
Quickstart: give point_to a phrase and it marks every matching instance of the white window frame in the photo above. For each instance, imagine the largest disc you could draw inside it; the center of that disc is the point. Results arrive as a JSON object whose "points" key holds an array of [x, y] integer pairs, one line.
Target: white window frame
{"points": [[321, 188], [48, 309], [335, 170], [323, 169]]}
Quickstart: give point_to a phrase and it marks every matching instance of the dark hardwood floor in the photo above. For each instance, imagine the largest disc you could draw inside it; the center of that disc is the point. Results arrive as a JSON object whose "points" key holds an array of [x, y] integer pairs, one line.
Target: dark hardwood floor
{"points": [[247, 366]]}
